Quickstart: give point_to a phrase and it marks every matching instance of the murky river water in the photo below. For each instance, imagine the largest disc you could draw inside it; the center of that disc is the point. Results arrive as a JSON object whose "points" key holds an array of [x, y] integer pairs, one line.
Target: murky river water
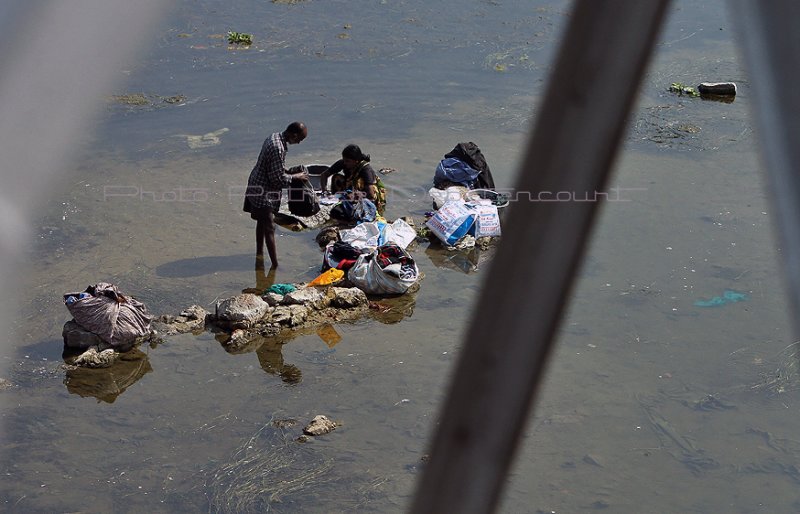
{"points": [[652, 403]]}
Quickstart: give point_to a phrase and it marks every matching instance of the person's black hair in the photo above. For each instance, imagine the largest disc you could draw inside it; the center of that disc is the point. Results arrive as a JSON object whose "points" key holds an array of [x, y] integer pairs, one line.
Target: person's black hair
{"points": [[355, 153]]}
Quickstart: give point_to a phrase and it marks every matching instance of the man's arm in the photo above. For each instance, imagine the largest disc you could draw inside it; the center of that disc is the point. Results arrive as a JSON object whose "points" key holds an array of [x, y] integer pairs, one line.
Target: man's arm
{"points": [[276, 170]]}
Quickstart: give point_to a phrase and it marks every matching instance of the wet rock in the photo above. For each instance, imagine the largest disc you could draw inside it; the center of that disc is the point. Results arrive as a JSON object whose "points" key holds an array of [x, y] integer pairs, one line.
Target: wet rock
{"points": [[327, 235], [5, 384], [347, 297], [303, 439], [320, 425], [242, 341], [269, 329], [241, 311], [289, 315], [195, 313], [192, 319], [273, 299], [308, 296], [284, 423], [92, 358], [75, 336]]}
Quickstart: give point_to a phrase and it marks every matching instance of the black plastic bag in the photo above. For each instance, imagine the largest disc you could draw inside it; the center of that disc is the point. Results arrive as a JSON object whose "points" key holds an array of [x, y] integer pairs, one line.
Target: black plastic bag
{"points": [[302, 198]]}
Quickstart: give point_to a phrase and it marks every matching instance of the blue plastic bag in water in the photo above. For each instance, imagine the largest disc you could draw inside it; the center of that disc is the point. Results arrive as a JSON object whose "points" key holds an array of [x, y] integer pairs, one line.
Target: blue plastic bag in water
{"points": [[728, 296], [456, 171]]}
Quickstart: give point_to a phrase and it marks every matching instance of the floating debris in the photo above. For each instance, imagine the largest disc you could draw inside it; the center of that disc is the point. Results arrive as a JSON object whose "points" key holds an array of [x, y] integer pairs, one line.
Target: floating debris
{"points": [[136, 100], [717, 88], [131, 99], [267, 468], [784, 377], [728, 296], [204, 140], [240, 38], [683, 89]]}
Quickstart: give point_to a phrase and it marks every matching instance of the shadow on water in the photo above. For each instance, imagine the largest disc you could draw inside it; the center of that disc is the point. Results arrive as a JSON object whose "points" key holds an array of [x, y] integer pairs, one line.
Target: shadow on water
{"points": [[198, 266]]}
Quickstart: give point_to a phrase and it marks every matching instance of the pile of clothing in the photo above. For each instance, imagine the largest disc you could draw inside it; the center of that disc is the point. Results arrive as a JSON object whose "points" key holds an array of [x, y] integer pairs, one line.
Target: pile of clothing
{"points": [[464, 166]]}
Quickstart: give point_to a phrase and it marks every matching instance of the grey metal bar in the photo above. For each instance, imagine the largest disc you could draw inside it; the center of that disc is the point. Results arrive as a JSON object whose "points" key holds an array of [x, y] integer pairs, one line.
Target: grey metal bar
{"points": [[770, 39], [581, 122]]}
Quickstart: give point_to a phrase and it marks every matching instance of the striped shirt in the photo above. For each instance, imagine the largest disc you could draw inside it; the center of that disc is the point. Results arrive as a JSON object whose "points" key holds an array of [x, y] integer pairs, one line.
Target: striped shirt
{"points": [[269, 176]]}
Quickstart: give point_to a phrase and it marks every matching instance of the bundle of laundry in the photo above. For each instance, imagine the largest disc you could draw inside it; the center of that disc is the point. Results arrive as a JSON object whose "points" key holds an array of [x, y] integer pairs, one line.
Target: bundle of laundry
{"points": [[465, 166], [103, 310], [387, 270], [355, 210], [376, 233]]}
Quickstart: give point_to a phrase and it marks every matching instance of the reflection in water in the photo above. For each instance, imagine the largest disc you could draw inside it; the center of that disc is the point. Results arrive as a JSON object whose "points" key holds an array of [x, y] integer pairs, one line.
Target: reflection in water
{"points": [[329, 335], [270, 357], [269, 352], [106, 384], [390, 310], [264, 280], [467, 261]]}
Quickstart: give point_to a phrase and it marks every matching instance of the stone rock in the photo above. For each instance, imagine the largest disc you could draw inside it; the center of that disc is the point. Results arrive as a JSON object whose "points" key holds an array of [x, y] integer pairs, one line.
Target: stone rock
{"points": [[327, 235], [5, 384], [92, 358], [308, 296], [243, 341], [192, 319], [347, 297], [195, 313], [75, 336], [289, 315], [272, 299], [241, 311], [320, 425]]}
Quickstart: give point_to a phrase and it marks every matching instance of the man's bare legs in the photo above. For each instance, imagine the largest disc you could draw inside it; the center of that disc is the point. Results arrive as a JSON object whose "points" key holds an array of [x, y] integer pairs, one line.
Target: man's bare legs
{"points": [[265, 233]]}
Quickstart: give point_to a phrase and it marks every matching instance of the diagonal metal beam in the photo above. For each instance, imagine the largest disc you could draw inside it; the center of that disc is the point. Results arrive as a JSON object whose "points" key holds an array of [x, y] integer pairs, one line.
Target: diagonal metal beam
{"points": [[570, 154], [770, 40]]}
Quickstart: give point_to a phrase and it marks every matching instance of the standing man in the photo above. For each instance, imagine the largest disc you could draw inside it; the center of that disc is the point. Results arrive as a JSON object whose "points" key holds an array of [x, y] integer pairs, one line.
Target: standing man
{"points": [[268, 178]]}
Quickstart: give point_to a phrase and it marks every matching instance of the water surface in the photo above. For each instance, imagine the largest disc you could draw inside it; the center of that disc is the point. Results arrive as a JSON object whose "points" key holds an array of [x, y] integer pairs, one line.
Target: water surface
{"points": [[651, 404]]}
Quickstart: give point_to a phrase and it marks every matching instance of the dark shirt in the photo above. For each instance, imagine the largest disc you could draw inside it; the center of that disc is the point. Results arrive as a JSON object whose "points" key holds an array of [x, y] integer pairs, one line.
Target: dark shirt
{"points": [[365, 172]]}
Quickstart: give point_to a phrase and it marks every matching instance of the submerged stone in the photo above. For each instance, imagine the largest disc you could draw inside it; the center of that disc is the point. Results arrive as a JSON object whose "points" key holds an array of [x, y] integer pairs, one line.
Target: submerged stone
{"points": [[320, 425]]}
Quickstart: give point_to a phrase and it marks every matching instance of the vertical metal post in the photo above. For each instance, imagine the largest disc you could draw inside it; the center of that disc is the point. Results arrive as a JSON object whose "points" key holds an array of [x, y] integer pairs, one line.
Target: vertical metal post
{"points": [[769, 36], [579, 127]]}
